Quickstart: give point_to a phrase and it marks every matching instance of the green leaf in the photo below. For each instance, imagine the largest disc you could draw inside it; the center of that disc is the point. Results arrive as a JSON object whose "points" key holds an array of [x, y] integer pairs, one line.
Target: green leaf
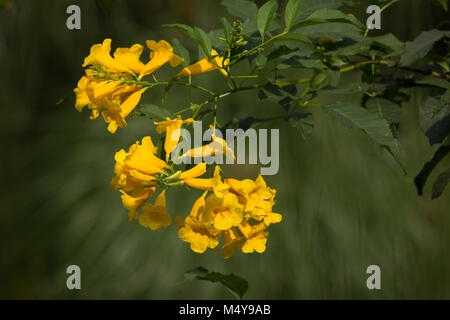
{"points": [[440, 184], [435, 121], [203, 40], [197, 34], [180, 50], [371, 123], [435, 82], [331, 15], [333, 30], [155, 112], [318, 80], [265, 16], [237, 286], [291, 13], [304, 122], [227, 29], [310, 6], [260, 61], [386, 109], [445, 98], [388, 46], [419, 47], [243, 9]]}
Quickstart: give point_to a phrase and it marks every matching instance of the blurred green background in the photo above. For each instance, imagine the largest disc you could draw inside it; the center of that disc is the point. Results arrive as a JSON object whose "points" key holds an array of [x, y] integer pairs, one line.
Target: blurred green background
{"points": [[345, 203]]}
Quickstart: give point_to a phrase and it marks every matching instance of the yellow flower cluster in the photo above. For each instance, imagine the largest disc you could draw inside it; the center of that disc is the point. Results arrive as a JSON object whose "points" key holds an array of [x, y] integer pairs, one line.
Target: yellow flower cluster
{"points": [[111, 85], [240, 210], [236, 212]]}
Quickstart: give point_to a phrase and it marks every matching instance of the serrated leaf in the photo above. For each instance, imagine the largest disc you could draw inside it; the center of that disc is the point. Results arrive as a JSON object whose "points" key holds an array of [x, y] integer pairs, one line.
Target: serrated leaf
{"points": [[301, 62], [181, 51], [435, 121], [372, 124], [291, 13], [237, 286], [265, 16], [155, 112], [439, 185], [386, 109], [419, 47]]}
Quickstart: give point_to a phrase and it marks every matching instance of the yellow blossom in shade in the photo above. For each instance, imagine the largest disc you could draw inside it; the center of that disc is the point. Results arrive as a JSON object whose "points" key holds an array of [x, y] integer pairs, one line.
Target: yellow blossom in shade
{"points": [[172, 129], [133, 202], [232, 241], [161, 53], [216, 146], [226, 210], [155, 216], [136, 167], [256, 238], [100, 55], [205, 65], [197, 228]]}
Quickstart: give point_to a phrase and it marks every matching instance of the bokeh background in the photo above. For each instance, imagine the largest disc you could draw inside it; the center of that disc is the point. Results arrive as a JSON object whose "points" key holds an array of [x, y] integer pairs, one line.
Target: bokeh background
{"points": [[345, 203]]}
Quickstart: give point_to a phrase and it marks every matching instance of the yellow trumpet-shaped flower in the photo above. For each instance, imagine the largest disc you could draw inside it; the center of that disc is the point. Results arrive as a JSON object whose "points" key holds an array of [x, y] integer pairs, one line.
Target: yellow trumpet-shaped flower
{"points": [[155, 216], [133, 202], [205, 65], [256, 238], [172, 129], [215, 183], [100, 55], [227, 211], [216, 146], [232, 241], [136, 167], [114, 100], [197, 228]]}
